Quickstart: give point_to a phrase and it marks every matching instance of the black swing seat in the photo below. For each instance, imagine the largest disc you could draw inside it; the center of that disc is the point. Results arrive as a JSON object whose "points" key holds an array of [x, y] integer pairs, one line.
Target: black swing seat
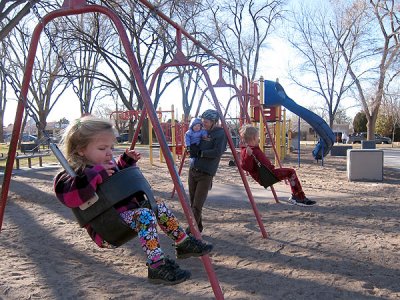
{"points": [[103, 217], [267, 178]]}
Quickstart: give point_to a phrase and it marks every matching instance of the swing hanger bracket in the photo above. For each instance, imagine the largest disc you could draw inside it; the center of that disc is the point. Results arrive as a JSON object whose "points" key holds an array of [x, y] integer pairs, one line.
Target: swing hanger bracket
{"points": [[71, 4]]}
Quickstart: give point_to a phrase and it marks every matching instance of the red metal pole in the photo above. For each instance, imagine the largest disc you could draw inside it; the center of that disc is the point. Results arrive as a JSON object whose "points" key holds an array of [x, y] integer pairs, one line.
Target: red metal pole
{"points": [[163, 144], [180, 169], [180, 30]]}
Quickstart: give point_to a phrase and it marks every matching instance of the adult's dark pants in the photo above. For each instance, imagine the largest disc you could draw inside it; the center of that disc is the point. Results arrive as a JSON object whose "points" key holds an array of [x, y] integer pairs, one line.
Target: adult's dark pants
{"points": [[199, 185]]}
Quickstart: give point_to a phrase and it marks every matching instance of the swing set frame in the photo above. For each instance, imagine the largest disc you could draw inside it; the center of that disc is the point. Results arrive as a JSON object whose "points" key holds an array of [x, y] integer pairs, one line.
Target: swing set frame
{"points": [[79, 7]]}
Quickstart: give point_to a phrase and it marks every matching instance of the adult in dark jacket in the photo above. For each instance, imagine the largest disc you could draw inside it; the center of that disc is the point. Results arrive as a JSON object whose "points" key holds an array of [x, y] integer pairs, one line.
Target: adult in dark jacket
{"points": [[205, 163]]}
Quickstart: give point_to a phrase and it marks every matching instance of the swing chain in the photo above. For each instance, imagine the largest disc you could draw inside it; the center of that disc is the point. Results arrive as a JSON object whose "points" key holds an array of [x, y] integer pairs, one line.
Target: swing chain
{"points": [[28, 105], [30, 112], [59, 57], [210, 101]]}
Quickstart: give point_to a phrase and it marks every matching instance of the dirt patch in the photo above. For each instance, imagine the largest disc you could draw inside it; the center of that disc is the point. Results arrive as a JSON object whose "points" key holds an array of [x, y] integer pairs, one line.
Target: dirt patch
{"points": [[345, 247]]}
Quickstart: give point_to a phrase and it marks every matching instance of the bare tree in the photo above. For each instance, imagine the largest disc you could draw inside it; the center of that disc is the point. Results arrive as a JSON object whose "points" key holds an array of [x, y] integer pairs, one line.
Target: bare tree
{"points": [[100, 66], [370, 46], [12, 12], [242, 28], [154, 43], [193, 17], [321, 57], [81, 58], [46, 85], [3, 88]]}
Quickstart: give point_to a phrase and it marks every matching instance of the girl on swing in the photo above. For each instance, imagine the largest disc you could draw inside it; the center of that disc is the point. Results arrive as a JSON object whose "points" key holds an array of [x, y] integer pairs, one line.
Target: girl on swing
{"points": [[88, 146], [250, 136]]}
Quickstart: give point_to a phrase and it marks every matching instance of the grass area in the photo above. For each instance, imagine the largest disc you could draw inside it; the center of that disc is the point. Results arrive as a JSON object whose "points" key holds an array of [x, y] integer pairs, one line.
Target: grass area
{"points": [[4, 148]]}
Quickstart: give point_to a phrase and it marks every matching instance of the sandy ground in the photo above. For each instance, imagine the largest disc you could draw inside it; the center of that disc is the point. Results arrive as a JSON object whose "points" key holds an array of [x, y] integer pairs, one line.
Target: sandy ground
{"points": [[345, 247]]}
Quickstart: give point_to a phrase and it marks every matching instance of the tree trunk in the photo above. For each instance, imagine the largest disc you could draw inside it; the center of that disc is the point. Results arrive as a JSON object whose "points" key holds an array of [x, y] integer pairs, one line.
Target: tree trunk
{"points": [[1, 127], [370, 129], [371, 124]]}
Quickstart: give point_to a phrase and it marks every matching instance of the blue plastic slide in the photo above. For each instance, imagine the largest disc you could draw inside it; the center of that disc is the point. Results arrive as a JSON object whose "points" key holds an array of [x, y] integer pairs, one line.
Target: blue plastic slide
{"points": [[274, 94]]}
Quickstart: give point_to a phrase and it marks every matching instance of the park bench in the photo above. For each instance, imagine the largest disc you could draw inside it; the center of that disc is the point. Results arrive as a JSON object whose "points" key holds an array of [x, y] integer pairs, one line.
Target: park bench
{"points": [[29, 157], [340, 150], [29, 147]]}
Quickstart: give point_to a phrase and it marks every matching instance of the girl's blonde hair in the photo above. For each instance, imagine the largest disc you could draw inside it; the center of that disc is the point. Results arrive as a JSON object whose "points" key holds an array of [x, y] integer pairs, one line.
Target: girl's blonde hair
{"points": [[79, 134], [248, 133]]}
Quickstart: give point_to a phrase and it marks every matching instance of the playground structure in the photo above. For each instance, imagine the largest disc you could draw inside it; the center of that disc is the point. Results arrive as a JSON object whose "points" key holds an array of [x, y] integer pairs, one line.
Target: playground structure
{"points": [[270, 120], [267, 108], [275, 95], [75, 7], [173, 130]]}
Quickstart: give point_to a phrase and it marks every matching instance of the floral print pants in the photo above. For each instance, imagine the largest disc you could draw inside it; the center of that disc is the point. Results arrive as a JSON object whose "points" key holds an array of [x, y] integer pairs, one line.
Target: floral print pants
{"points": [[144, 222]]}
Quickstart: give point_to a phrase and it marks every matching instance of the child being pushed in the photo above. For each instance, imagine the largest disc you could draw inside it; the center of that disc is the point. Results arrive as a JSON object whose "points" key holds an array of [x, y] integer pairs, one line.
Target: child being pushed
{"points": [[250, 136]]}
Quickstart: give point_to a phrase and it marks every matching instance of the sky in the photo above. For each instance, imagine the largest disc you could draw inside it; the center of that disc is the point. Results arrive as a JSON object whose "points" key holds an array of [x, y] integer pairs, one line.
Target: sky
{"points": [[274, 62]]}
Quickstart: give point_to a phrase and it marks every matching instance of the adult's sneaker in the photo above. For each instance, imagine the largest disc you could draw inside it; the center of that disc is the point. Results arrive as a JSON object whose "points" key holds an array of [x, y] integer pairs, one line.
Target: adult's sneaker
{"points": [[301, 202], [192, 247], [169, 273]]}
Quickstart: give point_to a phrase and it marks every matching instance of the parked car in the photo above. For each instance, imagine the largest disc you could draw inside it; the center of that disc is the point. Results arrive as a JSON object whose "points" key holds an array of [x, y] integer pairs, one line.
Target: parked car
{"points": [[7, 137], [382, 139], [124, 137], [357, 138], [26, 138]]}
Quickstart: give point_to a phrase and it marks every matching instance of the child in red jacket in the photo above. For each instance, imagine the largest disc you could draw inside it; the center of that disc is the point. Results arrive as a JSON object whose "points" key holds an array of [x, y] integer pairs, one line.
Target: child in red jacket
{"points": [[250, 136]]}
